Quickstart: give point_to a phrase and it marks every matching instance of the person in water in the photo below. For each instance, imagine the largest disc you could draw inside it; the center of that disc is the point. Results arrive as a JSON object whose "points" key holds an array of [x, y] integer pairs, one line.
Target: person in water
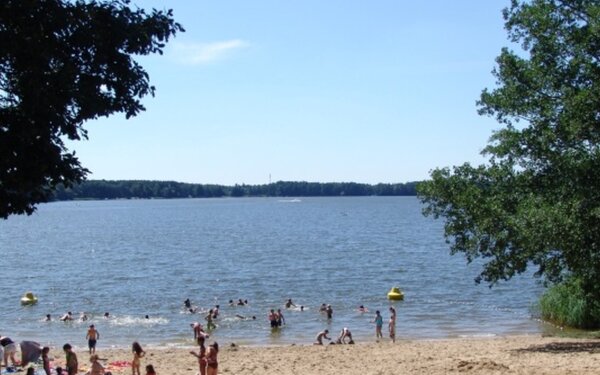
{"points": [[273, 319], [280, 318], [68, 316], [289, 303], [378, 324], [392, 324]]}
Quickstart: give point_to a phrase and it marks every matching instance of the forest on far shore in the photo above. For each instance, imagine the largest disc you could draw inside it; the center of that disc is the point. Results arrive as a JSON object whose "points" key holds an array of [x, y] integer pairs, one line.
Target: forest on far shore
{"points": [[133, 189]]}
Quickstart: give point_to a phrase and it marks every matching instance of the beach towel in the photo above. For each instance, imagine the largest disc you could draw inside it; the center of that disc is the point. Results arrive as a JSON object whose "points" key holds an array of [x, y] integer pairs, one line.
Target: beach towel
{"points": [[30, 352]]}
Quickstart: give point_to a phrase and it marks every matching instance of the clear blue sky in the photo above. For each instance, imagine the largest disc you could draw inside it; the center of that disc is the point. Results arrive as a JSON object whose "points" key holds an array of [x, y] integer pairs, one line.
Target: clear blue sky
{"points": [[312, 90]]}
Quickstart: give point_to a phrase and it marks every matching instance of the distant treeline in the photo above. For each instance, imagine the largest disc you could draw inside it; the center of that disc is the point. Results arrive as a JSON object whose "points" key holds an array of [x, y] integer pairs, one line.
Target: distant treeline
{"points": [[131, 189]]}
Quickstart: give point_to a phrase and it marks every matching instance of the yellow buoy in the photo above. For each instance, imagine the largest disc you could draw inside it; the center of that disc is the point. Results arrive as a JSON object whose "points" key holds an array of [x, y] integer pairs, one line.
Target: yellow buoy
{"points": [[28, 299], [395, 294]]}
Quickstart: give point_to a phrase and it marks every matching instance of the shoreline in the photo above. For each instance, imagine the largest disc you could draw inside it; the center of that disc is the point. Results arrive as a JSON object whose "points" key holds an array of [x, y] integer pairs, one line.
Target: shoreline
{"points": [[523, 354]]}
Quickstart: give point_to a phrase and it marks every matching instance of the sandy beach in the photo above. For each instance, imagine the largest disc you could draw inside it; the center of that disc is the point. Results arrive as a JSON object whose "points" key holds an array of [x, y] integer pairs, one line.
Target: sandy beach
{"points": [[500, 355]]}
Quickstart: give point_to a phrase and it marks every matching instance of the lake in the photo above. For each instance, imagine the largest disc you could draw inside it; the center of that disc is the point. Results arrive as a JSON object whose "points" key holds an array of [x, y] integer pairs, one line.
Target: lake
{"points": [[134, 258]]}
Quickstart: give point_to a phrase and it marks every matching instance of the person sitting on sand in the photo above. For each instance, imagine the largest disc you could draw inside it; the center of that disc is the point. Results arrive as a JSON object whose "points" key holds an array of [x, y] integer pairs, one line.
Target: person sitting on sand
{"points": [[96, 368], [289, 303], [345, 333], [150, 370], [320, 336]]}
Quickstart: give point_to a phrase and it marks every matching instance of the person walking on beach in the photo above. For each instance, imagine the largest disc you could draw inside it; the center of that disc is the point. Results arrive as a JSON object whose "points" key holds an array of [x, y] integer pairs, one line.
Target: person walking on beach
{"points": [[96, 368], [92, 336], [212, 364], [201, 355], [378, 324], [320, 336], [138, 354], [392, 324], [71, 358]]}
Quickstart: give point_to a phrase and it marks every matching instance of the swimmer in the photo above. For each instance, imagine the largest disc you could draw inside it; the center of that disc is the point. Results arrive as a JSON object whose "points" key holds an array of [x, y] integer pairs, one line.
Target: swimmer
{"points": [[320, 336], [301, 308], [48, 318], [240, 302], [67, 316], [244, 317], [187, 303], [83, 317], [362, 309], [231, 302], [147, 317], [106, 315], [323, 307], [289, 303]]}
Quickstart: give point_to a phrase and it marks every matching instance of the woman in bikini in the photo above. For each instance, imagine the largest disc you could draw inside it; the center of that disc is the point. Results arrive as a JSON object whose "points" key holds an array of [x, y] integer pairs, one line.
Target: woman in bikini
{"points": [[138, 353], [201, 355], [212, 364]]}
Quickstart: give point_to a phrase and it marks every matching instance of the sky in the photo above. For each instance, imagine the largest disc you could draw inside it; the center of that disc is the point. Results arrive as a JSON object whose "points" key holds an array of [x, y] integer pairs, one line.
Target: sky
{"points": [[313, 90]]}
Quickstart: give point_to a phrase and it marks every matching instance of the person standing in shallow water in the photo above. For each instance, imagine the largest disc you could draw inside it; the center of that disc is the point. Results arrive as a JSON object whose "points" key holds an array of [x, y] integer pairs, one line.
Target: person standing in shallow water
{"points": [[392, 324], [378, 324]]}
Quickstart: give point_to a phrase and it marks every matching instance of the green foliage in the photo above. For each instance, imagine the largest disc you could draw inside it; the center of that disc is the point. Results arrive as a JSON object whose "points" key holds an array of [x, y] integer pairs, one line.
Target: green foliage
{"points": [[63, 63], [101, 189], [566, 304], [536, 202]]}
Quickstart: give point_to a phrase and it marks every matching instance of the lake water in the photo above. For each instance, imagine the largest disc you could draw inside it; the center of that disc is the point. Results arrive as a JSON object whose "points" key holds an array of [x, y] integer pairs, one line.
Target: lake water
{"points": [[145, 257]]}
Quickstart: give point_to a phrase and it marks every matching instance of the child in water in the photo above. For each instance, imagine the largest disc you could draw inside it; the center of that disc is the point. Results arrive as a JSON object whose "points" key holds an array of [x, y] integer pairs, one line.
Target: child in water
{"points": [[138, 354]]}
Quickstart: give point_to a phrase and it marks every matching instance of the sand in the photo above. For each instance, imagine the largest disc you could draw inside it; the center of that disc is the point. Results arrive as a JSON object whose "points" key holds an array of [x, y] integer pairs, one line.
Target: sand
{"points": [[500, 355]]}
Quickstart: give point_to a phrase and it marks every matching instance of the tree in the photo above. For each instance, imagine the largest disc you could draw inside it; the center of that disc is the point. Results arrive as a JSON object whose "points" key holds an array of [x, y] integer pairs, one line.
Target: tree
{"points": [[63, 63], [536, 203]]}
